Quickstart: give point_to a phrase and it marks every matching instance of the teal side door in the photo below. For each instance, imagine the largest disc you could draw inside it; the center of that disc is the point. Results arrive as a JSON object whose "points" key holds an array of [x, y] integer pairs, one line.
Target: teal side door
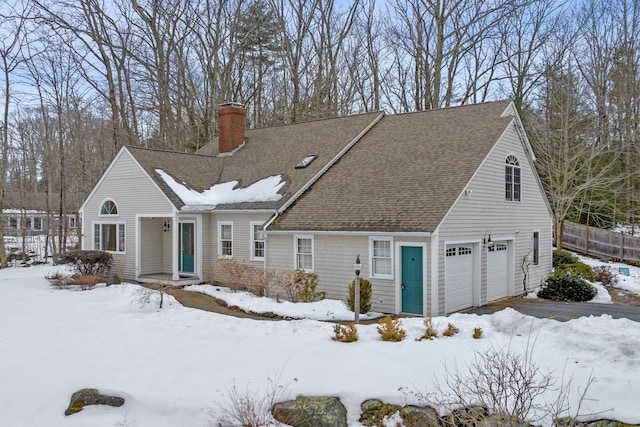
{"points": [[186, 252], [412, 280]]}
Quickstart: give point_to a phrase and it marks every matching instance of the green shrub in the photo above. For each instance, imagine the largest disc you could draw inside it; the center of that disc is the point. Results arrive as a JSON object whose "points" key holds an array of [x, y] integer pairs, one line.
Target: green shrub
{"points": [[578, 268], [561, 257], [391, 329], [365, 296], [567, 287], [345, 333], [605, 275]]}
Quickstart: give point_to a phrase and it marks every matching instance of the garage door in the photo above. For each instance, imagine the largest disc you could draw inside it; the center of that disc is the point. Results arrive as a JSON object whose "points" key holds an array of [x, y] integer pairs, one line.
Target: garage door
{"points": [[497, 272], [458, 277]]}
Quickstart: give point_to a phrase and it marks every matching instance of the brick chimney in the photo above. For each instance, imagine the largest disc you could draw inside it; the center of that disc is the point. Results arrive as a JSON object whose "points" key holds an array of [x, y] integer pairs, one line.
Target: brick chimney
{"points": [[230, 126]]}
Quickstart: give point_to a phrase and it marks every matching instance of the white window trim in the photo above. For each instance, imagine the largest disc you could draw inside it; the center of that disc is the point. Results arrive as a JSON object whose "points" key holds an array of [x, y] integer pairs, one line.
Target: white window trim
{"points": [[372, 273], [295, 252], [534, 261], [33, 223], [220, 224], [70, 220], [513, 185], [117, 223], [100, 214], [253, 257]]}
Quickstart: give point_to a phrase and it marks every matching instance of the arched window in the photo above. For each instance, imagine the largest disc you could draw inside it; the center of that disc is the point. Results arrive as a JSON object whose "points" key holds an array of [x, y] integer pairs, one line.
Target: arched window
{"points": [[109, 233], [512, 179], [109, 208]]}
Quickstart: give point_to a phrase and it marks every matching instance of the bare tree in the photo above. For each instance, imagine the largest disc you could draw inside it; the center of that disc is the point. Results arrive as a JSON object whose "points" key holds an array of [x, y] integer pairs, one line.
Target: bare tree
{"points": [[13, 38]]}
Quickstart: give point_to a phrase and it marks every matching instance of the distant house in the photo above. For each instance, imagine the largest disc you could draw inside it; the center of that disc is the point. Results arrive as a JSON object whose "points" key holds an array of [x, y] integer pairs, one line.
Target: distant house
{"points": [[25, 214], [444, 207]]}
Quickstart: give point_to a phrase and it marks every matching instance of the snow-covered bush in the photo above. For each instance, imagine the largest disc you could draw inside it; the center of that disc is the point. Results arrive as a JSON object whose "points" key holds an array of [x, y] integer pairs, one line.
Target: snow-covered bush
{"points": [[345, 333], [391, 329], [567, 287]]}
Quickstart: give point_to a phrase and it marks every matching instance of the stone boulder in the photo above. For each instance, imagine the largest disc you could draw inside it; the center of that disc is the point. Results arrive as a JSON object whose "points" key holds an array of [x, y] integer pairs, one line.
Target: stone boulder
{"points": [[424, 416], [374, 412], [91, 396], [309, 411]]}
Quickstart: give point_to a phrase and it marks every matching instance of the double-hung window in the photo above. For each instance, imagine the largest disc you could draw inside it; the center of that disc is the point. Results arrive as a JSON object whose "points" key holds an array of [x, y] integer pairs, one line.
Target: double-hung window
{"points": [[512, 179], [304, 253], [225, 239], [109, 234], [381, 259], [257, 241]]}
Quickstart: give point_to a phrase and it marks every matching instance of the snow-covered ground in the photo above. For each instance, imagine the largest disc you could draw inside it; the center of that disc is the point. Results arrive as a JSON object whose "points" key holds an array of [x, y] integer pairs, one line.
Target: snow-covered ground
{"points": [[175, 366]]}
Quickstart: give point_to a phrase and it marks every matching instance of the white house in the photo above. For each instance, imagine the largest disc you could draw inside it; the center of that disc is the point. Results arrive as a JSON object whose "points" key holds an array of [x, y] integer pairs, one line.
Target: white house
{"points": [[444, 207]]}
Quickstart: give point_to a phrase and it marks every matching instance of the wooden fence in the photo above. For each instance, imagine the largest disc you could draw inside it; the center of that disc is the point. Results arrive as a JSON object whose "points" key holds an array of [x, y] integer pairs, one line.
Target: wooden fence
{"points": [[599, 243]]}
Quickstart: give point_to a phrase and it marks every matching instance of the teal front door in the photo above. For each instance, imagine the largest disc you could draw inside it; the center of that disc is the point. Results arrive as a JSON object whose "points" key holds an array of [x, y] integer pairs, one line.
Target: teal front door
{"points": [[412, 280], [186, 249]]}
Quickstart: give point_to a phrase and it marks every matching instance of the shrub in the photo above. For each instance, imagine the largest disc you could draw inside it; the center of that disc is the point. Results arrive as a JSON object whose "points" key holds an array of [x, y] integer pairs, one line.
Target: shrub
{"points": [[88, 263], [450, 331], [578, 268], [366, 292], [87, 282], [231, 273], [605, 275], [430, 332], [561, 257], [477, 333], [345, 333], [567, 287], [260, 282], [299, 285], [305, 286], [391, 329], [59, 280]]}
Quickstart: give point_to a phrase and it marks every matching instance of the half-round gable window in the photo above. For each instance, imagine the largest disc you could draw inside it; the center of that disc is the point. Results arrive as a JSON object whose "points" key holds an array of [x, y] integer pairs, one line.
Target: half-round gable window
{"points": [[109, 208], [512, 179]]}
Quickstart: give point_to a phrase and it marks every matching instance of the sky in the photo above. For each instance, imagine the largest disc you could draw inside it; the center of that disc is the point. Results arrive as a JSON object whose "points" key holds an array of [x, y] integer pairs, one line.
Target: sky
{"points": [[177, 365]]}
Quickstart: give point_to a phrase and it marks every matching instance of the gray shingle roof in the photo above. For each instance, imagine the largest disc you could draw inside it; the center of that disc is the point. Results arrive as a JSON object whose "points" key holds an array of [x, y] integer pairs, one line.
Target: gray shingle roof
{"points": [[267, 152], [404, 175]]}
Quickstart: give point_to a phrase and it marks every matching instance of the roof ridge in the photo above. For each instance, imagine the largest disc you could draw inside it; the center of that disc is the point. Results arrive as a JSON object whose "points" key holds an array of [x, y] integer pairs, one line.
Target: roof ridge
{"points": [[452, 107], [159, 150], [316, 120]]}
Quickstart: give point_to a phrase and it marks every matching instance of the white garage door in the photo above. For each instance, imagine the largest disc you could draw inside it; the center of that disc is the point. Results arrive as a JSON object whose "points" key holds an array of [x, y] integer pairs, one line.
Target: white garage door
{"points": [[458, 277], [497, 272]]}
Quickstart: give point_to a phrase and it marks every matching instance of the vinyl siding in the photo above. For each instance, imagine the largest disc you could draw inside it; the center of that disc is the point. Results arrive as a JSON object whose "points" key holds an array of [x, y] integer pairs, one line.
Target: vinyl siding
{"points": [[152, 253], [334, 256], [241, 238], [134, 193], [485, 212]]}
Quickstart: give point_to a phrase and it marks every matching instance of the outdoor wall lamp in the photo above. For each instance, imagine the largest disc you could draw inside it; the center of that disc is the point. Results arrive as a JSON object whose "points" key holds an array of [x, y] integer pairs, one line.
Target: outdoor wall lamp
{"points": [[487, 241], [166, 226]]}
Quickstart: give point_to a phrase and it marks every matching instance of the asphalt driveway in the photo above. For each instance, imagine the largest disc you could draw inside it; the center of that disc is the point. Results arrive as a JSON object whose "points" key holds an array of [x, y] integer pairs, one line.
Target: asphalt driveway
{"points": [[559, 310]]}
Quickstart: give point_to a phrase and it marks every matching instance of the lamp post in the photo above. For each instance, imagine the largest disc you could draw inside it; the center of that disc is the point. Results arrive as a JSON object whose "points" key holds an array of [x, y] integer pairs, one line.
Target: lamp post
{"points": [[356, 297]]}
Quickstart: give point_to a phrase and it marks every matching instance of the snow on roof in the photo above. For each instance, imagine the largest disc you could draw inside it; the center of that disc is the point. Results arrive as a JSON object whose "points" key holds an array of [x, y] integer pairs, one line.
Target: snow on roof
{"points": [[264, 190]]}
